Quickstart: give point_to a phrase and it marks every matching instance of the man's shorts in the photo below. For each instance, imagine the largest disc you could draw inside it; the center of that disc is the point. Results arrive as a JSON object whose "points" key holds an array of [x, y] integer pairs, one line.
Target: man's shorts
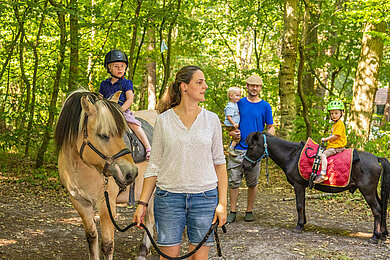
{"points": [[174, 211], [236, 172]]}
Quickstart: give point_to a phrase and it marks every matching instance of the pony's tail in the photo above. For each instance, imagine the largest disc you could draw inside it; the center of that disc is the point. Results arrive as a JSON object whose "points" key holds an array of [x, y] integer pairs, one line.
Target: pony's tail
{"points": [[385, 190]]}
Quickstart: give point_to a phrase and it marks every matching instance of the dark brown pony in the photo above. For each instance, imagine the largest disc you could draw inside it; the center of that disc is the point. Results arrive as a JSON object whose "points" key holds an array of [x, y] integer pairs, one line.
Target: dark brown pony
{"points": [[92, 157], [365, 176]]}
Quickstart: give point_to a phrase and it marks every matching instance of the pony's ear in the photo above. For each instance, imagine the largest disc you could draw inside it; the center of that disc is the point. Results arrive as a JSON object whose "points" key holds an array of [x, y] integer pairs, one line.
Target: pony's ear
{"points": [[115, 97], [251, 137], [87, 106]]}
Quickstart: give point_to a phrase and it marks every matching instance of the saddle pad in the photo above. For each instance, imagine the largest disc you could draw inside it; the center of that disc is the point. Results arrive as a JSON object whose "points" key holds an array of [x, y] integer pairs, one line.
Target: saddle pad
{"points": [[339, 165]]}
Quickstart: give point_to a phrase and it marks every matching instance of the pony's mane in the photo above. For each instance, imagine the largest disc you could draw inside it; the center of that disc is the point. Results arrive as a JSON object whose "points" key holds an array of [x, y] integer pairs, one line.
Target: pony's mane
{"points": [[109, 120]]}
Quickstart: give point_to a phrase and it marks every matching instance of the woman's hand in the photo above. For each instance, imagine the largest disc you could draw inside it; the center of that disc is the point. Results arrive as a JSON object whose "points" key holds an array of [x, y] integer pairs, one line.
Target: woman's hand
{"points": [[139, 215], [220, 214]]}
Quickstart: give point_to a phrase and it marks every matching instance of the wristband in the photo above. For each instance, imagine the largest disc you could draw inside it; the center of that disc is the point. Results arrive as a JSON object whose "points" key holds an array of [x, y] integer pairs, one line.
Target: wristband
{"points": [[142, 203]]}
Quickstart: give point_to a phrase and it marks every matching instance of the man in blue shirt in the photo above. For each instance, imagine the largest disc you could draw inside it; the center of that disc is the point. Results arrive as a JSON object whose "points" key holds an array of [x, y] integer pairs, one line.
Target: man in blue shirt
{"points": [[255, 115]]}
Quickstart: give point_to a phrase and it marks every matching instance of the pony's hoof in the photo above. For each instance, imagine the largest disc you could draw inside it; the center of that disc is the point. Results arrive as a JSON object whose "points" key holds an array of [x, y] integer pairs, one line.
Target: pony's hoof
{"points": [[373, 240], [297, 230]]}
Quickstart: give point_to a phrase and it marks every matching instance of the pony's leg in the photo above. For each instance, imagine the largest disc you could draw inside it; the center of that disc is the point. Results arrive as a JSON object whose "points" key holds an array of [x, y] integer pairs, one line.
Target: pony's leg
{"points": [[385, 193], [369, 193], [107, 228], [144, 248], [86, 212], [300, 204]]}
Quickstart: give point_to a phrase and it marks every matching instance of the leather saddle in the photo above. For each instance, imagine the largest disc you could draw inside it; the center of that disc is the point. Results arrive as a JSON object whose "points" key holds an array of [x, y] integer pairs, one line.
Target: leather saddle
{"points": [[137, 149]]}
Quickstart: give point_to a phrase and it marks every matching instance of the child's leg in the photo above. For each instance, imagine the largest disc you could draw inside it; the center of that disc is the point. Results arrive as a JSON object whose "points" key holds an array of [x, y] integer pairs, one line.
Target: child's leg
{"points": [[324, 164], [231, 149], [139, 132]]}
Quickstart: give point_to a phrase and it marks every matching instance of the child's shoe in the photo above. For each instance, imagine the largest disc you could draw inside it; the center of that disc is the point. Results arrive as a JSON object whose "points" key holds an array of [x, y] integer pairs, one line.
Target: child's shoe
{"points": [[320, 178], [231, 152]]}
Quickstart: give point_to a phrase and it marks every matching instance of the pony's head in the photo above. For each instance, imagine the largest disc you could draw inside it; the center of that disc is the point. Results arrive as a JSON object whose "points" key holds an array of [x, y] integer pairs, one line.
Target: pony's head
{"points": [[93, 127], [255, 150]]}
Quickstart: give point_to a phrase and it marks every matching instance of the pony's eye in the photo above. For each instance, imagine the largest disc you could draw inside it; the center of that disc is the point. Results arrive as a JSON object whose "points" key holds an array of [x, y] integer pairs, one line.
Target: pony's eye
{"points": [[104, 137]]}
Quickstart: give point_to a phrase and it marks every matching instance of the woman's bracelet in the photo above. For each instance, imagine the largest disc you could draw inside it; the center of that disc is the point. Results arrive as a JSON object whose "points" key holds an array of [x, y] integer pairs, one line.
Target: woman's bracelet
{"points": [[142, 203]]}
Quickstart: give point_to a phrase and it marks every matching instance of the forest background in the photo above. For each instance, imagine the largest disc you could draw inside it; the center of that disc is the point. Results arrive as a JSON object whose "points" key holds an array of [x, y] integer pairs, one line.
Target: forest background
{"points": [[308, 53]]}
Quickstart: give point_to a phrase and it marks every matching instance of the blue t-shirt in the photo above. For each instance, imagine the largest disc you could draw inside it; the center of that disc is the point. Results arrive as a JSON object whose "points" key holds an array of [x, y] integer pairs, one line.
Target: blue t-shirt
{"points": [[253, 118], [231, 109], [107, 89]]}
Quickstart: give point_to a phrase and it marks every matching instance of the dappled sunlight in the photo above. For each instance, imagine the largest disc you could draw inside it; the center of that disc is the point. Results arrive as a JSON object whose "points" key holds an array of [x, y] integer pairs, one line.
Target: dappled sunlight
{"points": [[360, 234], [34, 233], [73, 221], [9, 178], [7, 242]]}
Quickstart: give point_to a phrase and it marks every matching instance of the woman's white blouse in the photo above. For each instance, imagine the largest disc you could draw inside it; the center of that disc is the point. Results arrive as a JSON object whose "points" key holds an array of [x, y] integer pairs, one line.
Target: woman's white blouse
{"points": [[183, 159]]}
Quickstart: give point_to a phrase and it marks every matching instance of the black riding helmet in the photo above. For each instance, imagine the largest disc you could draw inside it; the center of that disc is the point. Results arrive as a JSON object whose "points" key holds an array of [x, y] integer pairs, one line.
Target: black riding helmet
{"points": [[113, 56]]}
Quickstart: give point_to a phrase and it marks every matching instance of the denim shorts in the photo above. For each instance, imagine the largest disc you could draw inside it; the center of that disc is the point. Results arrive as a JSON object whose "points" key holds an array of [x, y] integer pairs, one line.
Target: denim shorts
{"points": [[174, 211]]}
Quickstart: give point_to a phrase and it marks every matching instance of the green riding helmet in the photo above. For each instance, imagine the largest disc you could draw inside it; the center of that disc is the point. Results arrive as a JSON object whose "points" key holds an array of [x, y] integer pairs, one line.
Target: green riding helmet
{"points": [[335, 105]]}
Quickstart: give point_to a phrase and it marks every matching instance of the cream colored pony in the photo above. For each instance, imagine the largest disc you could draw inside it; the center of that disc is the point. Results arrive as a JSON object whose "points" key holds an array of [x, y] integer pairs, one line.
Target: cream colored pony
{"points": [[92, 157]]}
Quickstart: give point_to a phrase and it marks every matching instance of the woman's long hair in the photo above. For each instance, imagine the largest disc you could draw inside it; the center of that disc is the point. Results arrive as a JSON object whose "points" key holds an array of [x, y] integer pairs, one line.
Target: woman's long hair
{"points": [[172, 96]]}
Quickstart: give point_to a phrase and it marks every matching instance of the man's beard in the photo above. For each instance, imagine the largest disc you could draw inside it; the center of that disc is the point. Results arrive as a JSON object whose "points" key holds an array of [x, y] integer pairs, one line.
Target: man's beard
{"points": [[252, 95]]}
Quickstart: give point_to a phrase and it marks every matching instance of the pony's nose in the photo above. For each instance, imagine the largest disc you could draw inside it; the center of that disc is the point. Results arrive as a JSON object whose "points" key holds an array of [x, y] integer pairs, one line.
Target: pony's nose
{"points": [[131, 175]]}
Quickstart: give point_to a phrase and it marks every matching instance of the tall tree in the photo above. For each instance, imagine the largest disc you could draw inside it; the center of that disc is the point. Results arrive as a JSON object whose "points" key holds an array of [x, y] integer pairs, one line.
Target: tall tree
{"points": [[366, 81], [134, 38], [34, 45], [287, 68], [167, 61], [74, 45], [151, 70], [56, 85]]}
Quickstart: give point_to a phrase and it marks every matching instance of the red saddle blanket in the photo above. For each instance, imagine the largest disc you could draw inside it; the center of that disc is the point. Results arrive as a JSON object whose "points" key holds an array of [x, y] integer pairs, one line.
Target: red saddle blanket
{"points": [[339, 165]]}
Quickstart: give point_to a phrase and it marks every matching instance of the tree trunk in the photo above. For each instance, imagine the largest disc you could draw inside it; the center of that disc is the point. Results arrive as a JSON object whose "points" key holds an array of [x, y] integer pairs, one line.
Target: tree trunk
{"points": [[286, 76], [167, 63], [27, 88], [56, 85], [151, 71], [11, 47], [301, 82], [34, 46], [311, 18], [74, 45], [90, 55], [366, 81], [134, 39]]}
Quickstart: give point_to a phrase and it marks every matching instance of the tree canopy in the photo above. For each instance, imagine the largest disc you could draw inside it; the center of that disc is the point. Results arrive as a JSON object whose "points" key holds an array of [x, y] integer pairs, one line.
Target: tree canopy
{"points": [[51, 47]]}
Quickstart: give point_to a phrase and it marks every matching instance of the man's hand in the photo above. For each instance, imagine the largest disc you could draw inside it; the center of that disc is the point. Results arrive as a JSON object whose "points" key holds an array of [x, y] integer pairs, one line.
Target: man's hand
{"points": [[235, 134]]}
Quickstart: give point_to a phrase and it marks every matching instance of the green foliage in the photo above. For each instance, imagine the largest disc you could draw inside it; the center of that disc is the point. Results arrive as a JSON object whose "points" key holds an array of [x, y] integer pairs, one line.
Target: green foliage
{"points": [[229, 40], [15, 167]]}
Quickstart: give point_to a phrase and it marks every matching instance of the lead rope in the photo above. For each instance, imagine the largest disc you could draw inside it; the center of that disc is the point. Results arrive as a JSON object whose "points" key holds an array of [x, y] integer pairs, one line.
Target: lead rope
{"points": [[212, 228]]}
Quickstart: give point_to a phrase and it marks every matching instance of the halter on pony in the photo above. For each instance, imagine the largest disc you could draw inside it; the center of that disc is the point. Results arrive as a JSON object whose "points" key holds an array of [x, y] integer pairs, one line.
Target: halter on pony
{"points": [[109, 159], [265, 155]]}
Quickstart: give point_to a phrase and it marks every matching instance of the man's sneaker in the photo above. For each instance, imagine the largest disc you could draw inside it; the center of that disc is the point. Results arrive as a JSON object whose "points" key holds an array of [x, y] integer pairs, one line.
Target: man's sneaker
{"points": [[231, 152], [249, 217], [232, 217]]}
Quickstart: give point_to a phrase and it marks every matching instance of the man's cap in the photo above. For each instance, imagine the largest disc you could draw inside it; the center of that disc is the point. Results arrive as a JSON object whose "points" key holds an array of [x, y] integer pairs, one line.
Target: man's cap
{"points": [[254, 80]]}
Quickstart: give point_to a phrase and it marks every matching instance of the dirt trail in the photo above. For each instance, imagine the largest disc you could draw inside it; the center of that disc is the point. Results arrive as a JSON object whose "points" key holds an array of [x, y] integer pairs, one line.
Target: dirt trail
{"points": [[44, 225]]}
